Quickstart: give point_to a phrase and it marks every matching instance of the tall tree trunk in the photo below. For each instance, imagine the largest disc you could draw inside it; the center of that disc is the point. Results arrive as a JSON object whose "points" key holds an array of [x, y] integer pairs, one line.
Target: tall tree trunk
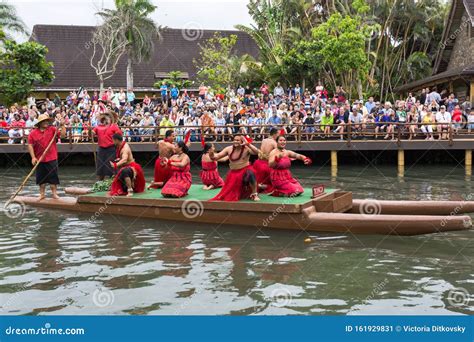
{"points": [[101, 86], [129, 73], [359, 88]]}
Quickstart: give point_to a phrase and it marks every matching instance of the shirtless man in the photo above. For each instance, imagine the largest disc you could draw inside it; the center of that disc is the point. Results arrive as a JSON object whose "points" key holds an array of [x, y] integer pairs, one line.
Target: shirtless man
{"points": [[240, 182], [166, 149], [129, 178], [262, 170]]}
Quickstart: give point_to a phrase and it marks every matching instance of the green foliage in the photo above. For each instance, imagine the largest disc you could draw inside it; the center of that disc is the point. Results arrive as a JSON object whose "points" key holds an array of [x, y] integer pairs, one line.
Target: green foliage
{"points": [[174, 78], [102, 186], [341, 42], [218, 66], [10, 21], [22, 66]]}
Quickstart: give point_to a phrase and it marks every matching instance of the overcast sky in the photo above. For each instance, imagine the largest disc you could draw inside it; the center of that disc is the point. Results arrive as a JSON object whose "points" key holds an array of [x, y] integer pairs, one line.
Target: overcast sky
{"points": [[192, 14]]}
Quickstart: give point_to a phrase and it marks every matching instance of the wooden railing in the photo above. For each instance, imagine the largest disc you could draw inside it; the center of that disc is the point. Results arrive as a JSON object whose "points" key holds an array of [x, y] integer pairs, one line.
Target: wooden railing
{"points": [[299, 133]]}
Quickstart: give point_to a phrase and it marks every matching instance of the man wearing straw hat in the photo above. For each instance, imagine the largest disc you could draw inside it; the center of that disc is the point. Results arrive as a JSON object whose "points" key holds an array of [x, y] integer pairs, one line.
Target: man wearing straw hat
{"points": [[42, 149], [106, 152]]}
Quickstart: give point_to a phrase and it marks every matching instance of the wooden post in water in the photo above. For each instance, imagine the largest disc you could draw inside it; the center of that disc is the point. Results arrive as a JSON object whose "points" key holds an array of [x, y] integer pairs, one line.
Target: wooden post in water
{"points": [[468, 162], [401, 160], [333, 158]]}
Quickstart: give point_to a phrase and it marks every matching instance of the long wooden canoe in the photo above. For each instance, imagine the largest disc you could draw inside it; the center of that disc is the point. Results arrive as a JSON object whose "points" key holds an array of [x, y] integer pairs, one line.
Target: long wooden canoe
{"points": [[334, 211]]}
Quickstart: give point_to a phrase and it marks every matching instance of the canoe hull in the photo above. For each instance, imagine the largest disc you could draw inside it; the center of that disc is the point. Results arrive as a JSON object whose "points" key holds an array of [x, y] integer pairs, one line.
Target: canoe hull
{"points": [[305, 220]]}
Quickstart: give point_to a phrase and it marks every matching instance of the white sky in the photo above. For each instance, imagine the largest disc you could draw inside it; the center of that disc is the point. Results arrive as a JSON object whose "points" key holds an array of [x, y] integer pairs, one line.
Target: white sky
{"points": [[193, 14]]}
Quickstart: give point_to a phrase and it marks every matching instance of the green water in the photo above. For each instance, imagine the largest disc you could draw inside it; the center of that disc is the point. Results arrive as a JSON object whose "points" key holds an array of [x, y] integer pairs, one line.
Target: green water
{"points": [[54, 262]]}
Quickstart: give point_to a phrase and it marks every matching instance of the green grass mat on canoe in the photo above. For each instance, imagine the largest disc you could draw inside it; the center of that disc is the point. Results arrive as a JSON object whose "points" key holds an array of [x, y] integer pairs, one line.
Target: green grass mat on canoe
{"points": [[196, 192]]}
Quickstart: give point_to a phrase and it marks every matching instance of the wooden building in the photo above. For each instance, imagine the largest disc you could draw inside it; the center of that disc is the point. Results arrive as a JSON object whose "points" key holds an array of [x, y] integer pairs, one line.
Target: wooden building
{"points": [[454, 64]]}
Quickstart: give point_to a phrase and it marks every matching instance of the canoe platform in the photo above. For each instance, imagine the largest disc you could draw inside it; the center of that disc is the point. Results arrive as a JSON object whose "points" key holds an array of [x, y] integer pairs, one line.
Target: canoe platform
{"points": [[332, 211]]}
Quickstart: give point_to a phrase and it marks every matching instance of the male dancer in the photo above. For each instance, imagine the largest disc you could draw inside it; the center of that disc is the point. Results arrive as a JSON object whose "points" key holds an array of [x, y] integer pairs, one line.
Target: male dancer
{"points": [[166, 149], [240, 182]]}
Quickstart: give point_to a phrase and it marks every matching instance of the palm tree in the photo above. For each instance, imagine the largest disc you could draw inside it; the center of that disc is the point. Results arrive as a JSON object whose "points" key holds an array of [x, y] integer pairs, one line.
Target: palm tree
{"points": [[131, 18], [10, 21]]}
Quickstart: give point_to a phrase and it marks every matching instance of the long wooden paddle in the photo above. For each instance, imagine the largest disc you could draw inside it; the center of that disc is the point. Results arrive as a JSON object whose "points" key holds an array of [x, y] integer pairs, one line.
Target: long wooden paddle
{"points": [[31, 172]]}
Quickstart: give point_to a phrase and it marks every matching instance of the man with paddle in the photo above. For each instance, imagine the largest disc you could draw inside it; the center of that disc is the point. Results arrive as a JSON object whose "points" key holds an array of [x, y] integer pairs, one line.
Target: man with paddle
{"points": [[44, 155]]}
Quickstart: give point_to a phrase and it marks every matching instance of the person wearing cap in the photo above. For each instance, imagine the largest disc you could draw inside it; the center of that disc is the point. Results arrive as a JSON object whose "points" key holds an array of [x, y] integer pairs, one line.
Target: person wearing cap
{"points": [[47, 169], [106, 151], [443, 118]]}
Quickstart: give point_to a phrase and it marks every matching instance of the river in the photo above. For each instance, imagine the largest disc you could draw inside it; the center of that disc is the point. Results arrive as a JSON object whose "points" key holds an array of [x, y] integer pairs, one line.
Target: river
{"points": [[55, 262]]}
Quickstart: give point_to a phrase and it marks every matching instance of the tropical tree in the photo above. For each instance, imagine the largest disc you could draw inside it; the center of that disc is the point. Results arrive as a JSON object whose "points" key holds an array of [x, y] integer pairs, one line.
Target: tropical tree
{"points": [[22, 66], [10, 21], [107, 49], [219, 66], [131, 21]]}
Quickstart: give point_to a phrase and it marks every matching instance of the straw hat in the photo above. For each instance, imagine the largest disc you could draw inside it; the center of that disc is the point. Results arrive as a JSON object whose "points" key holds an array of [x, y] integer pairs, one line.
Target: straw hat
{"points": [[43, 117], [111, 114]]}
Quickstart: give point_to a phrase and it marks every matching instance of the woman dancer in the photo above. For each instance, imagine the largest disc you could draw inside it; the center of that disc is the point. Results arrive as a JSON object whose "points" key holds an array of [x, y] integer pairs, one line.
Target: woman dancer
{"points": [[209, 175], [180, 181], [284, 185]]}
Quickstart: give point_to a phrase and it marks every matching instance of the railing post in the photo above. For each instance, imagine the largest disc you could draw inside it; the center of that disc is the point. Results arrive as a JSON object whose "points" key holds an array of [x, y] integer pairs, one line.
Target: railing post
{"points": [[298, 134], [349, 133], [399, 133], [450, 134]]}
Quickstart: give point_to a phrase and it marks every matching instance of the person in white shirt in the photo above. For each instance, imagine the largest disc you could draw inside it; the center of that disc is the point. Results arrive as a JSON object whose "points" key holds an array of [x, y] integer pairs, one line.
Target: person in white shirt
{"points": [[443, 120]]}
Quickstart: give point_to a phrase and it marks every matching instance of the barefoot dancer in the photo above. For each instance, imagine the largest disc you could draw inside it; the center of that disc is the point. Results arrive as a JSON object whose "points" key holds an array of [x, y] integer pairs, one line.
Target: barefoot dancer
{"points": [[47, 170], [262, 170], [129, 178], [240, 182], [209, 175], [283, 182], [180, 180], [162, 170]]}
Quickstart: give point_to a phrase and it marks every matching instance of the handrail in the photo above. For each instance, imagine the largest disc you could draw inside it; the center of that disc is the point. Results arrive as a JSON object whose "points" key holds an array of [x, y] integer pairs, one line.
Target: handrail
{"points": [[351, 131]]}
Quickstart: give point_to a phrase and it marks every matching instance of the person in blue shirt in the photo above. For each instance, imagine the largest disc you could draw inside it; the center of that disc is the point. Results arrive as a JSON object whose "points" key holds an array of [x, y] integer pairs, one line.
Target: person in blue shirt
{"points": [[274, 120], [174, 92], [130, 96], [164, 92]]}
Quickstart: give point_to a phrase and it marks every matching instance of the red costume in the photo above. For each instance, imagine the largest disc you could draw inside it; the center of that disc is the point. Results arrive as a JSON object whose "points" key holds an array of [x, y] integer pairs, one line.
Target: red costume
{"points": [[162, 173], [118, 187], [283, 182], [262, 172], [210, 175], [179, 183], [236, 185]]}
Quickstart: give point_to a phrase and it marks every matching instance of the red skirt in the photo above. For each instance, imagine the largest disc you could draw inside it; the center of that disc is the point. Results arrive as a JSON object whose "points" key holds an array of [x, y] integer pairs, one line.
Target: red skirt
{"points": [[162, 173], [210, 175], [178, 185], [262, 172], [284, 184], [118, 186], [234, 188]]}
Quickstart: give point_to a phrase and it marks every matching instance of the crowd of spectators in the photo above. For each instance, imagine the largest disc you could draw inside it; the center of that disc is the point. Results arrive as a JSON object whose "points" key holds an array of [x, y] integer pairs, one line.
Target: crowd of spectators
{"points": [[304, 114]]}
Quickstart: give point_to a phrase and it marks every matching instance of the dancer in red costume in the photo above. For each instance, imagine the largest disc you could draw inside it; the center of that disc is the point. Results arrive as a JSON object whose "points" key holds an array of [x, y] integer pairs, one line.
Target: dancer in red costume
{"points": [[240, 182], [262, 170], [209, 175], [162, 170], [129, 178], [180, 180], [282, 180]]}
